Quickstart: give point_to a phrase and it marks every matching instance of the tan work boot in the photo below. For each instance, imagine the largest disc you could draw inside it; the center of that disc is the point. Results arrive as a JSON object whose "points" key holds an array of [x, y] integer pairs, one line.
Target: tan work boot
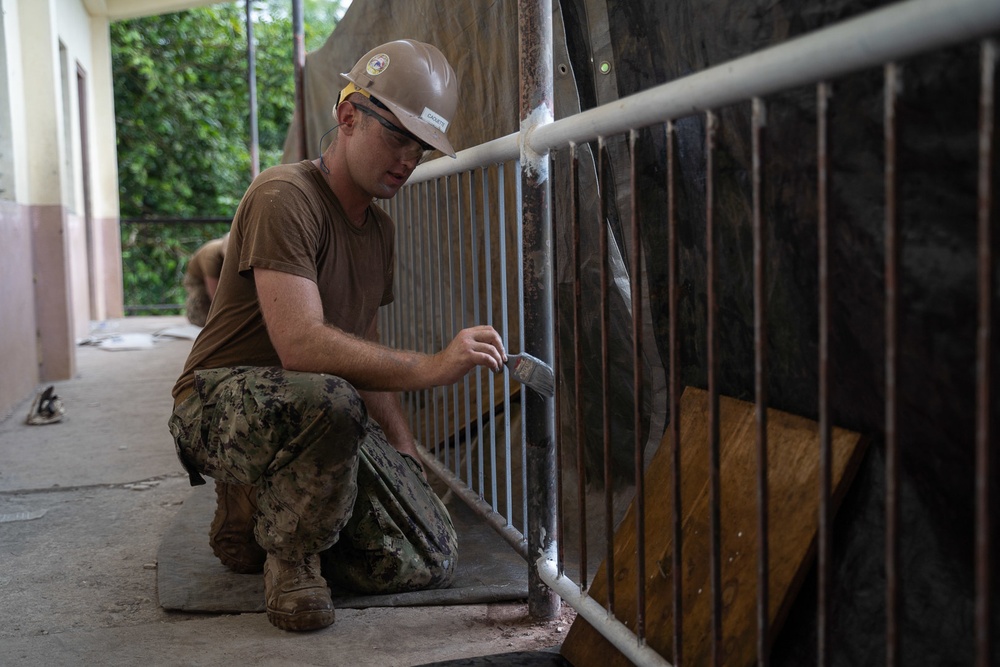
{"points": [[296, 595], [231, 533]]}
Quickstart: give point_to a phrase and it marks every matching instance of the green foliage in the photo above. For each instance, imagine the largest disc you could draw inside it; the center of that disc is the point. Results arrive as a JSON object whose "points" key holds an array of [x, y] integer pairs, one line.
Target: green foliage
{"points": [[157, 254], [182, 116]]}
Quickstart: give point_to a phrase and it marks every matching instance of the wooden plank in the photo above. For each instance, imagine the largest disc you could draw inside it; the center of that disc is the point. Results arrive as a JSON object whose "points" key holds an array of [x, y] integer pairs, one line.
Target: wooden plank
{"points": [[793, 474]]}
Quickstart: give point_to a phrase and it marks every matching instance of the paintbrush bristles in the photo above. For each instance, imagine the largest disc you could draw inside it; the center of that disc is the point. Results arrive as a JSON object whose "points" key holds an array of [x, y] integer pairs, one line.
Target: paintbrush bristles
{"points": [[532, 372]]}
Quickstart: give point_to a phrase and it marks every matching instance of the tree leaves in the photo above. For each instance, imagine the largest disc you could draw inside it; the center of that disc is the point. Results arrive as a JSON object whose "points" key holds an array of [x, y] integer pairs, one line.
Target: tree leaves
{"points": [[182, 118]]}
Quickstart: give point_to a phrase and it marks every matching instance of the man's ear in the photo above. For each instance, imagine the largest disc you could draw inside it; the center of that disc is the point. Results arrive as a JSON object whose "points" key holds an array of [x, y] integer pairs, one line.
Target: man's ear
{"points": [[345, 116]]}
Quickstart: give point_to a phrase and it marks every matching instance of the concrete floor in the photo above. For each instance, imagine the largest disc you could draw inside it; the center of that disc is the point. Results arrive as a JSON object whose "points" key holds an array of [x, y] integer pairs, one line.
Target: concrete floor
{"points": [[83, 505]]}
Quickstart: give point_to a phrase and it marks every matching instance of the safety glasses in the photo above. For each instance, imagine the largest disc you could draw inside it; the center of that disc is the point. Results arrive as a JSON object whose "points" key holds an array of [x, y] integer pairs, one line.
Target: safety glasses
{"points": [[398, 139]]}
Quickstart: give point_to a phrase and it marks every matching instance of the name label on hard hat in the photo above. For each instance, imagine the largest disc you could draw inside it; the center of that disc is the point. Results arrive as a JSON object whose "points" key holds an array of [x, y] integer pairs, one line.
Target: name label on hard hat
{"points": [[434, 119]]}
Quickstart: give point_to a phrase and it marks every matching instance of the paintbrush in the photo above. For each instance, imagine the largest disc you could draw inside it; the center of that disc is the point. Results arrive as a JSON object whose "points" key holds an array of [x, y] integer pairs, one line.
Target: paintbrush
{"points": [[532, 372]]}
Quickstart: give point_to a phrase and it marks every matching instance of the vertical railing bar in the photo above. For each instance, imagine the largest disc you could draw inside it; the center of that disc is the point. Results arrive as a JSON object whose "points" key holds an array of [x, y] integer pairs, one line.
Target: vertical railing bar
{"points": [[581, 473], [536, 107], [504, 333], [603, 232], [984, 361], [453, 441], [480, 470], [465, 309], [413, 205], [488, 279], [409, 332], [432, 257], [443, 336], [637, 380], [521, 335], [759, 118], [399, 302], [556, 309], [673, 271], [824, 555], [892, 255], [387, 324], [713, 391], [425, 295]]}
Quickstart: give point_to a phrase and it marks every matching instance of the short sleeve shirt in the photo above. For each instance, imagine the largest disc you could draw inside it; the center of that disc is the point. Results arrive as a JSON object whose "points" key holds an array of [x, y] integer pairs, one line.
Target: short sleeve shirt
{"points": [[289, 220]]}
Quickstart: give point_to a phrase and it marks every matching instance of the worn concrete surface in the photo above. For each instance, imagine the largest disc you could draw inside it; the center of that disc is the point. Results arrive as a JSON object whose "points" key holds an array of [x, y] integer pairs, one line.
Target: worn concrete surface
{"points": [[78, 583]]}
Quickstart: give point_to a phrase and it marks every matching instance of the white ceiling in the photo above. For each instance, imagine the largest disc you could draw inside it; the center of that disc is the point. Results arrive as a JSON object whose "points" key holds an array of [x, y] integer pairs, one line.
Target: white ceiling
{"points": [[127, 9]]}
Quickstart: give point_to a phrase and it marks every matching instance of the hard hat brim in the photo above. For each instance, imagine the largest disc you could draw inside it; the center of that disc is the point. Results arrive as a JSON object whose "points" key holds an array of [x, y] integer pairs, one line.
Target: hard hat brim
{"points": [[419, 127]]}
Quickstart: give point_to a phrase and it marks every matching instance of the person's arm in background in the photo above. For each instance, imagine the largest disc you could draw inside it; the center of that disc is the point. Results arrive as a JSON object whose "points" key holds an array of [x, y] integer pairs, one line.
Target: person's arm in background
{"points": [[211, 284]]}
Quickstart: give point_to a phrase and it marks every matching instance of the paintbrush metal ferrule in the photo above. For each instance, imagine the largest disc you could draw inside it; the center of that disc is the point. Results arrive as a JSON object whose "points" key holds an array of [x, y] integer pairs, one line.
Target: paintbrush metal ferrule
{"points": [[532, 372]]}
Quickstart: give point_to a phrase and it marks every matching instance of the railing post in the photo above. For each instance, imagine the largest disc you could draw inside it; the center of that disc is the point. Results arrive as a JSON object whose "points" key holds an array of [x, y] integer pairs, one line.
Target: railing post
{"points": [[536, 109]]}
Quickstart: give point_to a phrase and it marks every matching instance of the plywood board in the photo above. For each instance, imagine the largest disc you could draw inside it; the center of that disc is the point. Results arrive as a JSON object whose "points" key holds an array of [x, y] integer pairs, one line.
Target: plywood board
{"points": [[793, 474]]}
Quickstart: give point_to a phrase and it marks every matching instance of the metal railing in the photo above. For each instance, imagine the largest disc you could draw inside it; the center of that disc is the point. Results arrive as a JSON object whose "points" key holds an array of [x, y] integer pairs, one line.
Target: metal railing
{"points": [[462, 224]]}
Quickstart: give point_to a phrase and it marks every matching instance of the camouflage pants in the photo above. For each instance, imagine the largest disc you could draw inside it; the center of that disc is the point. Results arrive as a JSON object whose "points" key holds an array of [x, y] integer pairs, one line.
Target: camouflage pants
{"points": [[327, 479]]}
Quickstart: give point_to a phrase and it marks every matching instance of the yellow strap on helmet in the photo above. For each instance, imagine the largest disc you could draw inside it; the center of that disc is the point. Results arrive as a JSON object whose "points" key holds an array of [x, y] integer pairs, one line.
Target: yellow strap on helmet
{"points": [[351, 88]]}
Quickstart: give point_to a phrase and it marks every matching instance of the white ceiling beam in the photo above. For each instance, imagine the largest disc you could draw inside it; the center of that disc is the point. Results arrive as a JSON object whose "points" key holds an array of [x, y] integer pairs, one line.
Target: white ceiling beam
{"points": [[115, 10]]}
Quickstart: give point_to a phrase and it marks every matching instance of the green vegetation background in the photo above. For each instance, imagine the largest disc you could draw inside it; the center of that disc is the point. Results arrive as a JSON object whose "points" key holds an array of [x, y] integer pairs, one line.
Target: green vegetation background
{"points": [[182, 112]]}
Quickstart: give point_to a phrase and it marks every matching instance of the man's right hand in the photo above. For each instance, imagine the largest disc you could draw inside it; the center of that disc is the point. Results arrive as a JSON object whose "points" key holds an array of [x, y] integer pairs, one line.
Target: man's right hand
{"points": [[475, 346]]}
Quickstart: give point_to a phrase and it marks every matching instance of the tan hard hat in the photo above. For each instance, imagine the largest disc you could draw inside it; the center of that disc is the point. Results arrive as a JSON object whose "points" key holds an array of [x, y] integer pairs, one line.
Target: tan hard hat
{"points": [[416, 83]]}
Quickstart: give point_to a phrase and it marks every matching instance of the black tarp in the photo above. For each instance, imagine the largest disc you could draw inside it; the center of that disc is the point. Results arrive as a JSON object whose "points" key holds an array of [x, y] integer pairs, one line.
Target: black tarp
{"points": [[647, 43]]}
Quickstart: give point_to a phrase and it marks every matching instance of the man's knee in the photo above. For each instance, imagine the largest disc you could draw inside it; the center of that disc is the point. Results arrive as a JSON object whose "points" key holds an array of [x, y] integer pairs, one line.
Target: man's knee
{"points": [[400, 568]]}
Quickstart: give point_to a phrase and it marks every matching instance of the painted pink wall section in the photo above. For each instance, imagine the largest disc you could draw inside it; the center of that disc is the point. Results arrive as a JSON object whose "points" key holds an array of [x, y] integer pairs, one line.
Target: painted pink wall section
{"points": [[17, 303], [54, 310], [79, 275], [108, 268]]}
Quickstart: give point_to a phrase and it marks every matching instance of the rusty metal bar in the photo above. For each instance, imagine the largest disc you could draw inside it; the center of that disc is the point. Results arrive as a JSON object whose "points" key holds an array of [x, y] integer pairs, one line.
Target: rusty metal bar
{"points": [[609, 520], [758, 125], [581, 473], [534, 19], [673, 271], [892, 454], [640, 493], [557, 308], [984, 362], [824, 555], [715, 556]]}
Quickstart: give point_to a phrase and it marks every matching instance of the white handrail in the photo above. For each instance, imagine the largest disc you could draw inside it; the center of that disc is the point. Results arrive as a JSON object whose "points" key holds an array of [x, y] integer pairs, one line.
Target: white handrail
{"points": [[869, 40], [616, 632]]}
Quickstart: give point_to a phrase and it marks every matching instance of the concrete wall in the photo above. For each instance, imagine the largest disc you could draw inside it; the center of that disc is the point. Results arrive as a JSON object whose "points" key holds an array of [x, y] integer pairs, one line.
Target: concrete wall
{"points": [[58, 266]]}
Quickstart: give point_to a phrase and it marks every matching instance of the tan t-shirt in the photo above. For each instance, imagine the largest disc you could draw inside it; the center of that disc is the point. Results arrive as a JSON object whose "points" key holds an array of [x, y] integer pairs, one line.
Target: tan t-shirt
{"points": [[290, 221]]}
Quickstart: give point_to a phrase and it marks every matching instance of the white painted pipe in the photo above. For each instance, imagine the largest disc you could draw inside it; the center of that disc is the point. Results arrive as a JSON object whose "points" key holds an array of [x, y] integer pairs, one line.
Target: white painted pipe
{"points": [[497, 151], [476, 503], [610, 628], [870, 40]]}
